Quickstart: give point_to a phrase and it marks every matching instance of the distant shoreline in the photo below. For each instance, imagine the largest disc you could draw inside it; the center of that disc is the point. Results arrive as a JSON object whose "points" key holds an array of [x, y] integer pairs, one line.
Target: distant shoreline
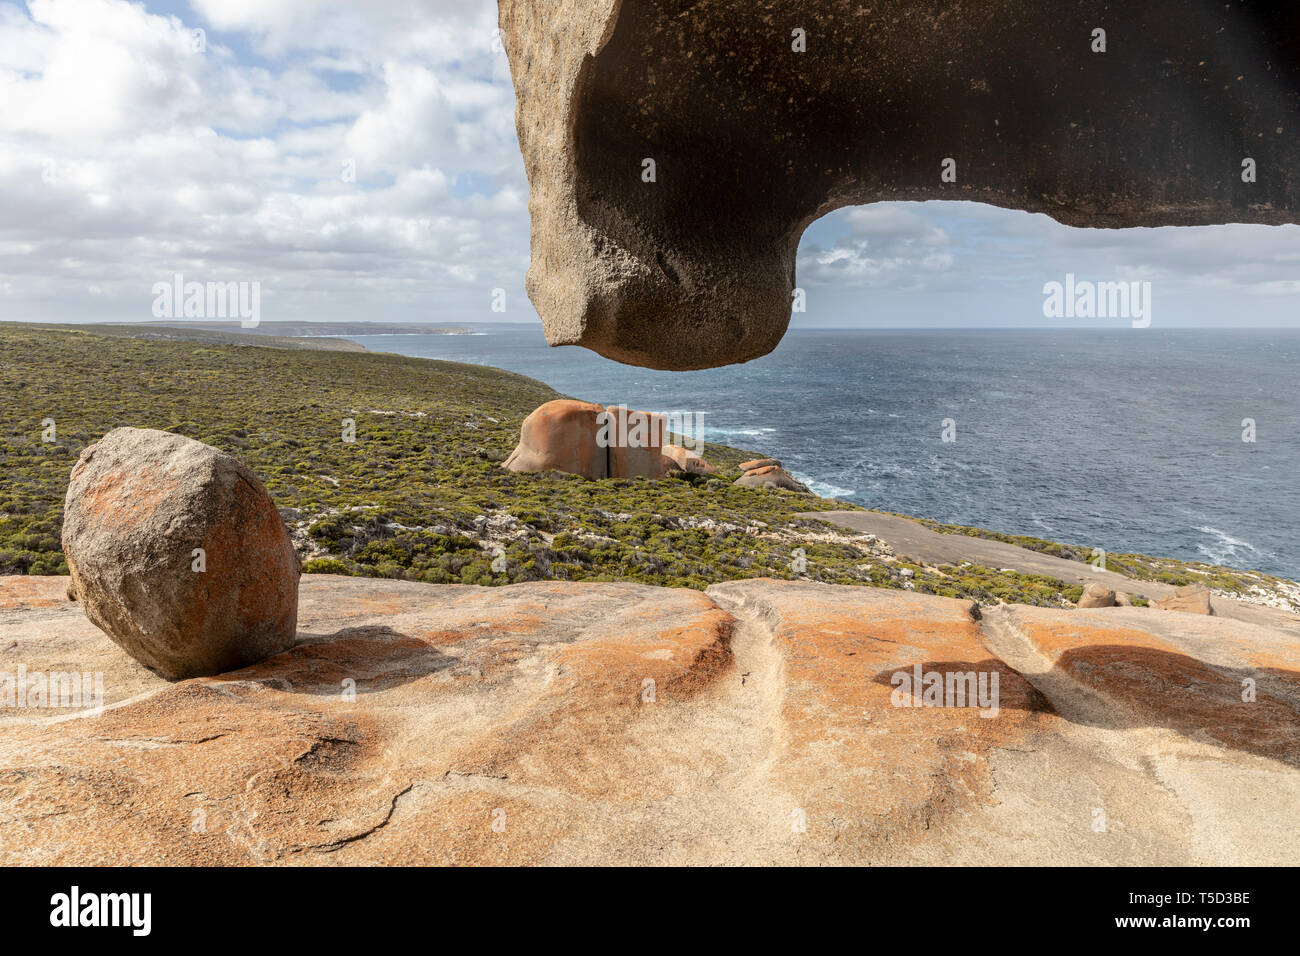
{"points": [[206, 336], [335, 335], [300, 329]]}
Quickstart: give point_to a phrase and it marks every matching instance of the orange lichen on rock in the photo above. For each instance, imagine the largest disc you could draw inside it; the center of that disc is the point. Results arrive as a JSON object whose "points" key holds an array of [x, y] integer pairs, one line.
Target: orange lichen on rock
{"points": [[178, 553], [760, 721], [878, 770], [1160, 683]]}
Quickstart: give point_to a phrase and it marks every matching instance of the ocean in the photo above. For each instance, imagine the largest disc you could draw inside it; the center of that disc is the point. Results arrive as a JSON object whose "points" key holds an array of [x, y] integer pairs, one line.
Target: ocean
{"points": [[1125, 440]]}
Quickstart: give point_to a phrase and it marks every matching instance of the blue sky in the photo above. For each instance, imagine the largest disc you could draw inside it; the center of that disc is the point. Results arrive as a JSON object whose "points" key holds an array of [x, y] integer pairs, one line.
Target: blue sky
{"points": [[126, 156]]}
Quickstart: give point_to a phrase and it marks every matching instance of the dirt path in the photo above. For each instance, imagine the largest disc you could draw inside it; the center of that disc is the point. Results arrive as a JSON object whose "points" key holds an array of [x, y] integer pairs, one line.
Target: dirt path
{"points": [[911, 539]]}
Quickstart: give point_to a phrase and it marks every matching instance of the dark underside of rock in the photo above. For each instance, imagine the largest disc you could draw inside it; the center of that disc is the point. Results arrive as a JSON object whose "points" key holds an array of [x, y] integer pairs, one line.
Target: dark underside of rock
{"points": [[752, 140]]}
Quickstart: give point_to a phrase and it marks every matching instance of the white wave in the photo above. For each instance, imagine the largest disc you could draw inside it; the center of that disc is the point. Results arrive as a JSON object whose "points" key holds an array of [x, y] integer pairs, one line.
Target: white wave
{"points": [[720, 435], [1224, 548], [826, 490], [1043, 524]]}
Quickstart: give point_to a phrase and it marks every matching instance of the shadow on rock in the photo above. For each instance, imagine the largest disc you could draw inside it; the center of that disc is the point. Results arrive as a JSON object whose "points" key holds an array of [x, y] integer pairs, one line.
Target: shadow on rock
{"points": [[972, 678], [1158, 688], [375, 658]]}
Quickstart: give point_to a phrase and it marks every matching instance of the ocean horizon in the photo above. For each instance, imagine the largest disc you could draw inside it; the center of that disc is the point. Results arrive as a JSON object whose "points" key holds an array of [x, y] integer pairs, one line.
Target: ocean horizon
{"points": [[1124, 440]]}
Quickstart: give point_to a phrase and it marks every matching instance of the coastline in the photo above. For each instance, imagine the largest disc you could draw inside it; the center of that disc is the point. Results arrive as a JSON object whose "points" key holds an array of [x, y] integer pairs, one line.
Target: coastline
{"points": [[447, 519]]}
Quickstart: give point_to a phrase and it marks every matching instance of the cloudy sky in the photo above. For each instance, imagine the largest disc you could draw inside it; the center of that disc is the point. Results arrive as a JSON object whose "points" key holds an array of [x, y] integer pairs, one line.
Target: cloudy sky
{"points": [[127, 155]]}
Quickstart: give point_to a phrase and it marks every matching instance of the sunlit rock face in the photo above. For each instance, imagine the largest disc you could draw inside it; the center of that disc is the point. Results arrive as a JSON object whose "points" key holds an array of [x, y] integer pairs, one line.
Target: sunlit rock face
{"points": [[759, 116], [178, 554], [617, 724]]}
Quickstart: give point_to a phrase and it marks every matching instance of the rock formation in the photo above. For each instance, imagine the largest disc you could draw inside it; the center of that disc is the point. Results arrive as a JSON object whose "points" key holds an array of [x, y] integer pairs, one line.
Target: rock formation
{"points": [[614, 442], [561, 436], [1192, 599], [634, 442], [758, 722], [687, 460], [771, 476], [1096, 595], [178, 554], [676, 152]]}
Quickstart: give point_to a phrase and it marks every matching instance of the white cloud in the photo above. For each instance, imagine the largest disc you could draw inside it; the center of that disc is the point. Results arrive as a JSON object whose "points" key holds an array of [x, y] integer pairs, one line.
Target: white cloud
{"points": [[124, 157], [418, 123], [888, 245], [970, 247]]}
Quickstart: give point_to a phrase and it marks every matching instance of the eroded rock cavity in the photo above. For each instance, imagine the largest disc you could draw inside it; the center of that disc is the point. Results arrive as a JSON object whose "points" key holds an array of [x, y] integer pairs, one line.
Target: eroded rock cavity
{"points": [[751, 140]]}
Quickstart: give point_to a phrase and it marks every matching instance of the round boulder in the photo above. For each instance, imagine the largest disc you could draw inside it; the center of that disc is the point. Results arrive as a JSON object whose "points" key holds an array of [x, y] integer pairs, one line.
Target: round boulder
{"points": [[178, 554], [1096, 595]]}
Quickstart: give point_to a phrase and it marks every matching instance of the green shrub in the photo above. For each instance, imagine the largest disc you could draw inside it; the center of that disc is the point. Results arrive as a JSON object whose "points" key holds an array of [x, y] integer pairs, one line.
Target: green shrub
{"points": [[325, 566]]}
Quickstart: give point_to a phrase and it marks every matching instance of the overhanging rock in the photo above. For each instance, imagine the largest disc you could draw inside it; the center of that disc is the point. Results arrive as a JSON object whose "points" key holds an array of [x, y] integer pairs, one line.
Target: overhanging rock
{"points": [[760, 116]]}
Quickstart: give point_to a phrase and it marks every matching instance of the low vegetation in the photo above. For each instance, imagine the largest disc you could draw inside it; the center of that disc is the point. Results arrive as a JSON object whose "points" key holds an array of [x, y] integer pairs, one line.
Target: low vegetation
{"points": [[420, 493]]}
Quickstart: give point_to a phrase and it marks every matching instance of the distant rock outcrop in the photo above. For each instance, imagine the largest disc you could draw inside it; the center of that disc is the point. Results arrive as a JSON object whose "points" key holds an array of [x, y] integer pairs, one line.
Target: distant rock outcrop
{"points": [[1096, 595], [1191, 599], [634, 442], [582, 438], [771, 476], [676, 152], [178, 554], [688, 461], [561, 436]]}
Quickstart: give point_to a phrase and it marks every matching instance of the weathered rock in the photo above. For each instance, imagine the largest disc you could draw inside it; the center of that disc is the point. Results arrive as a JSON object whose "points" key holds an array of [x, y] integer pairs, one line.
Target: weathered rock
{"points": [[840, 650], [1191, 599], [585, 439], [561, 436], [1123, 599], [687, 460], [560, 707], [760, 463], [634, 441], [758, 722], [753, 139], [1170, 675], [1096, 595], [771, 476], [139, 504]]}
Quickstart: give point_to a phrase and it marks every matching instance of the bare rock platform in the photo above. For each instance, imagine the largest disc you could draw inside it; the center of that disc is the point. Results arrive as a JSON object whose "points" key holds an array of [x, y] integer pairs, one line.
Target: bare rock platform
{"points": [[565, 723]]}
